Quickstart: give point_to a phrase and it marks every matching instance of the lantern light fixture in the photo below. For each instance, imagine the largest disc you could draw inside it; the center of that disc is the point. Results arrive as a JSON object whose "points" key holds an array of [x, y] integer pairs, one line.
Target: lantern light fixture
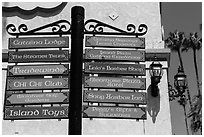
{"points": [[180, 81], [156, 72]]}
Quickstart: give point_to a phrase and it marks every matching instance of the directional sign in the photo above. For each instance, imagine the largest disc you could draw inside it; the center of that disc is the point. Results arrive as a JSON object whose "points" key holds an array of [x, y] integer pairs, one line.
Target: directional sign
{"points": [[37, 98], [116, 55], [38, 42], [38, 56], [20, 113], [54, 69], [115, 97], [115, 112], [113, 68], [115, 42], [43, 83], [112, 82]]}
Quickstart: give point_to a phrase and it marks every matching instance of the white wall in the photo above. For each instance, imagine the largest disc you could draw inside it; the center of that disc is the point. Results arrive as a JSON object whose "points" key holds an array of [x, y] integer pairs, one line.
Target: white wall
{"points": [[135, 13]]}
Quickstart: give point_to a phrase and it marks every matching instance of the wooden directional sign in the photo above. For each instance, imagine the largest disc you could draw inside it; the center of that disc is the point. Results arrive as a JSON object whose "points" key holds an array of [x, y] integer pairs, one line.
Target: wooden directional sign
{"points": [[37, 98], [21, 113], [112, 82], [52, 69], [30, 84], [38, 56], [115, 42], [115, 112], [113, 68], [115, 97], [116, 55], [38, 42]]}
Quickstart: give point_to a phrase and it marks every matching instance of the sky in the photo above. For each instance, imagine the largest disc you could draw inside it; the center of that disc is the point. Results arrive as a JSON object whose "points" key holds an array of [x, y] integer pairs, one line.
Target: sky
{"points": [[185, 17]]}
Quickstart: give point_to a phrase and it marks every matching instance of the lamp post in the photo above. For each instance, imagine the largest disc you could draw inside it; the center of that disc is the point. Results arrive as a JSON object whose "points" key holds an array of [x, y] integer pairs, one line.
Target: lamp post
{"points": [[180, 84], [156, 74]]}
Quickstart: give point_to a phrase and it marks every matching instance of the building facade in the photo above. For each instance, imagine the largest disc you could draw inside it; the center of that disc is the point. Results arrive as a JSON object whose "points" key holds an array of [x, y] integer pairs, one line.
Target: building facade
{"points": [[158, 120]]}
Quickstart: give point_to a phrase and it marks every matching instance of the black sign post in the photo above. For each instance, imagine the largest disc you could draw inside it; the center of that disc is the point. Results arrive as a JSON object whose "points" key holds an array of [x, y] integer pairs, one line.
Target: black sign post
{"points": [[75, 104]]}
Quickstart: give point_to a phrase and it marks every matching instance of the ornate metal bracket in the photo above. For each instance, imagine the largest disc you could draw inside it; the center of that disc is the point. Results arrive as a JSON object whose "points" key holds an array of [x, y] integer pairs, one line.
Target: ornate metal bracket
{"points": [[63, 27], [93, 26], [172, 93], [57, 28]]}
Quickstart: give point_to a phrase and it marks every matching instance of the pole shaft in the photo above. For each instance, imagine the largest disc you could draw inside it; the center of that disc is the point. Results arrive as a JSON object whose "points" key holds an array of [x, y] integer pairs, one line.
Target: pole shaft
{"points": [[75, 97]]}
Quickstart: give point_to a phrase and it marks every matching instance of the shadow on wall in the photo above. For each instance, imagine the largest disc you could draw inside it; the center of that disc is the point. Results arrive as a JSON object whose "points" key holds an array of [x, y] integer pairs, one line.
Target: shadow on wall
{"points": [[153, 103]]}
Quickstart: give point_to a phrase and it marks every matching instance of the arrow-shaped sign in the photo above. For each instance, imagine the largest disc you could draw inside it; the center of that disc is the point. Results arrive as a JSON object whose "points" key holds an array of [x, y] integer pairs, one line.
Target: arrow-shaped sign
{"points": [[37, 98], [114, 112], [38, 56], [20, 113], [42, 83], [38, 42], [117, 55], [115, 97], [115, 68], [116, 42], [112, 82], [54, 69]]}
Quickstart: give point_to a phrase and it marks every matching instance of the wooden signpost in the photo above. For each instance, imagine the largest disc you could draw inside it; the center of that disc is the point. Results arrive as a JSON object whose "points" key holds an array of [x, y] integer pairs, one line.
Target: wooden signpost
{"points": [[32, 84], [37, 98], [112, 82], [115, 42], [21, 113], [115, 97], [38, 56], [113, 68], [50, 69], [115, 55], [38, 42], [114, 112]]}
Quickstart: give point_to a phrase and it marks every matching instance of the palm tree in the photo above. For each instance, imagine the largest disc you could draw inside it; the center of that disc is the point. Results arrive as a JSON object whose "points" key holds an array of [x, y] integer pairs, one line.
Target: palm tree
{"points": [[175, 42], [195, 44]]}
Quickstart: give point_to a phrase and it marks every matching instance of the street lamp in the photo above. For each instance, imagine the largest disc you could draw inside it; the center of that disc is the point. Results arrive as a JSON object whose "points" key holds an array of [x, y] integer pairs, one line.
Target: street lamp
{"points": [[180, 82], [156, 74]]}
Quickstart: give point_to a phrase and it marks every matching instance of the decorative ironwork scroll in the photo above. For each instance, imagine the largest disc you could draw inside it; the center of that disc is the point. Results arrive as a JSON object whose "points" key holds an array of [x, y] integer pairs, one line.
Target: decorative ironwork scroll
{"points": [[93, 26], [57, 28], [172, 93], [63, 27]]}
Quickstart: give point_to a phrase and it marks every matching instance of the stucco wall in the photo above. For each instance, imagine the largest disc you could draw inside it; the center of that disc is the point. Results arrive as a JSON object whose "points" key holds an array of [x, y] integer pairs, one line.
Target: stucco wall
{"points": [[134, 13]]}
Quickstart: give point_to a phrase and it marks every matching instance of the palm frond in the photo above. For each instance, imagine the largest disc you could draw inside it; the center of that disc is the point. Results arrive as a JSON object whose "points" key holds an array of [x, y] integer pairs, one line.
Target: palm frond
{"points": [[195, 41]]}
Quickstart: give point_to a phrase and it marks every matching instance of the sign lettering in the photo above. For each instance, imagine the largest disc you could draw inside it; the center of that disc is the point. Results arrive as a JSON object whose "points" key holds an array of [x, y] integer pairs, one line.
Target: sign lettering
{"points": [[20, 70], [37, 98], [115, 42], [43, 83], [115, 97], [19, 113], [38, 56], [114, 112], [39, 42], [116, 55], [130, 69], [111, 82]]}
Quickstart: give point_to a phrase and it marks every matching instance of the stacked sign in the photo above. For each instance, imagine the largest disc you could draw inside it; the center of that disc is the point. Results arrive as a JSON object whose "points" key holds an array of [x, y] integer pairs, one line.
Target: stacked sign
{"points": [[119, 78], [37, 91]]}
